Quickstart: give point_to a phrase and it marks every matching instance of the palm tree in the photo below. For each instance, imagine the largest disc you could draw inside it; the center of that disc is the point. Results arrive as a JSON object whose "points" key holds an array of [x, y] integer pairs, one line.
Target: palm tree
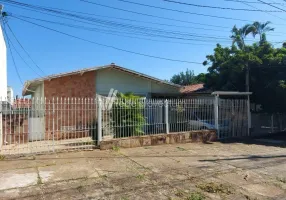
{"points": [[260, 29], [238, 35]]}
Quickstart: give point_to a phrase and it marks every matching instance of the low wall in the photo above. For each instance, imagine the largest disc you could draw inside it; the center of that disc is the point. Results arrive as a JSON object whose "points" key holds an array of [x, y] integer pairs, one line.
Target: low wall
{"points": [[150, 140]]}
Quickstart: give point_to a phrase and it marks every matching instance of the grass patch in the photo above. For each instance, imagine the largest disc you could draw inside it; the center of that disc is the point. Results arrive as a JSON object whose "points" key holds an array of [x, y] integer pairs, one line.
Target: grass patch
{"points": [[282, 180], [215, 188], [39, 180], [2, 157], [181, 149], [124, 198], [140, 176], [180, 193], [116, 148], [80, 188], [103, 176], [196, 196]]}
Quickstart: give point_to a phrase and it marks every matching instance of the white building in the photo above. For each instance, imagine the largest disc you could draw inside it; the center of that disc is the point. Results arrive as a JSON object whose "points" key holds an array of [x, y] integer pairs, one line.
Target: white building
{"points": [[10, 95], [3, 67]]}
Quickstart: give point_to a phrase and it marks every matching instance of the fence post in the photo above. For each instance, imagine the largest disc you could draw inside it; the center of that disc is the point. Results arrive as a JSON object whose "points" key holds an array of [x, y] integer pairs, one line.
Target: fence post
{"points": [[99, 122], [167, 116], [248, 116], [53, 124], [272, 123], [216, 115]]}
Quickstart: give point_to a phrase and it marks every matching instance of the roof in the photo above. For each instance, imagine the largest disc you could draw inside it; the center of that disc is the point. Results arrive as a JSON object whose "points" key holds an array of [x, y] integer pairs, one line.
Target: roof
{"points": [[231, 93], [191, 88], [30, 85]]}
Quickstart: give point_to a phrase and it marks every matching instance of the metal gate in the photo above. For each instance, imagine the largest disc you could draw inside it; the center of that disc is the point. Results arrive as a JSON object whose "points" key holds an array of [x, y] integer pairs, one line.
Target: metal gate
{"points": [[232, 118]]}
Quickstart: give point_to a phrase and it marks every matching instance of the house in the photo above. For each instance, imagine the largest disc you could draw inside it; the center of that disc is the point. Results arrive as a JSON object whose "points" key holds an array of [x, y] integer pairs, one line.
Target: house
{"points": [[86, 83], [64, 104]]}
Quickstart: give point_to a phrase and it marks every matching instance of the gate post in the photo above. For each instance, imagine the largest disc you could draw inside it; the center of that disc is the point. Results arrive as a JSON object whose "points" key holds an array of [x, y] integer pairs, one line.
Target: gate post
{"points": [[99, 122], [167, 116], [216, 115]]}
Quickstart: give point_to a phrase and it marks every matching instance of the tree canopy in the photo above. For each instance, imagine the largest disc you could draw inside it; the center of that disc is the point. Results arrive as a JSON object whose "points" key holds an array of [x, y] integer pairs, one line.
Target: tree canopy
{"points": [[267, 66], [186, 78]]}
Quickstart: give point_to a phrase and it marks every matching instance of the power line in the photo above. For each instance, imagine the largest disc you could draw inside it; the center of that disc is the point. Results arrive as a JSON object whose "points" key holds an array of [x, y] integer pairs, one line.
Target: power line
{"points": [[154, 16], [49, 9], [20, 55], [148, 22], [24, 49], [272, 5], [149, 15], [78, 16], [180, 11], [253, 2], [112, 32], [217, 7], [109, 46], [185, 35], [15, 66], [117, 33], [266, 13]]}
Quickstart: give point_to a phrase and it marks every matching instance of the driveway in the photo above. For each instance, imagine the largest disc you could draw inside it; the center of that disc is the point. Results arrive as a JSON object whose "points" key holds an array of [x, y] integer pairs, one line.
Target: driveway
{"points": [[181, 171]]}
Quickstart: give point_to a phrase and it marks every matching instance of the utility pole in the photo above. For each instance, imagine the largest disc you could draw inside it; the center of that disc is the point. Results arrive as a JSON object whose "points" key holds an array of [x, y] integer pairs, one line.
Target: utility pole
{"points": [[247, 72], [247, 78]]}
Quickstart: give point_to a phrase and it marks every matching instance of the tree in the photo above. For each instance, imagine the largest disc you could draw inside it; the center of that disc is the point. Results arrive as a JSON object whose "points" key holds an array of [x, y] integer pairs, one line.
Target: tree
{"points": [[238, 35], [261, 29], [184, 78], [267, 72]]}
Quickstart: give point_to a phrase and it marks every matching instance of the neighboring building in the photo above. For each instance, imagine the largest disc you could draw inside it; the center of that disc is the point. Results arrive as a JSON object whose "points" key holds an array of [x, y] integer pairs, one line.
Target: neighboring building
{"points": [[10, 95], [195, 90], [100, 80]]}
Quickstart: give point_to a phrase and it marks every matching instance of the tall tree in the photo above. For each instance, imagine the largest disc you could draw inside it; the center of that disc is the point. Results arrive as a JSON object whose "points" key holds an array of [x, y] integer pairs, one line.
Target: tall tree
{"points": [[184, 78], [261, 29], [267, 73], [239, 34]]}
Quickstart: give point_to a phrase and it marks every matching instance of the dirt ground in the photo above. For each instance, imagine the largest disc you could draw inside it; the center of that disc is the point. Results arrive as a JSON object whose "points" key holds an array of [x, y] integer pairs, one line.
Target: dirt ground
{"points": [[181, 171]]}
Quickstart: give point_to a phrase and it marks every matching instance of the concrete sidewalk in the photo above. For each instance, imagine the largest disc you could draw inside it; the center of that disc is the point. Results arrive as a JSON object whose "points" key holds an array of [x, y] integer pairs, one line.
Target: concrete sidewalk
{"points": [[181, 171]]}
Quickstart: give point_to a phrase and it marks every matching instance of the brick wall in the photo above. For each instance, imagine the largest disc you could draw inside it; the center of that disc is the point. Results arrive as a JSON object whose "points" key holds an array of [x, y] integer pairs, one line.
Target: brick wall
{"points": [[76, 113], [71, 86]]}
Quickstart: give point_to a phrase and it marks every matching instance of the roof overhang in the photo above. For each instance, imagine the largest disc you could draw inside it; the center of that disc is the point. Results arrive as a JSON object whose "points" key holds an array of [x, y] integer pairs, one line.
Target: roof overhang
{"points": [[231, 93]]}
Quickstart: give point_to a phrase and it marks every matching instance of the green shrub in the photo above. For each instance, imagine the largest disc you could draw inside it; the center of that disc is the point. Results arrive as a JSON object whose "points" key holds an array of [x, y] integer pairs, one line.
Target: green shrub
{"points": [[127, 115]]}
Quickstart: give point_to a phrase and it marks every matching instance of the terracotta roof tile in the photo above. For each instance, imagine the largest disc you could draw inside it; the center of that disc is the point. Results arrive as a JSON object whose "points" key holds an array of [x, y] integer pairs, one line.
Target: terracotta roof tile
{"points": [[191, 88]]}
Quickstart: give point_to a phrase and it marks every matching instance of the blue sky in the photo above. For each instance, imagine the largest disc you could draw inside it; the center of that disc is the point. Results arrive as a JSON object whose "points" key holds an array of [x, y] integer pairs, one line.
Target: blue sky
{"points": [[56, 53]]}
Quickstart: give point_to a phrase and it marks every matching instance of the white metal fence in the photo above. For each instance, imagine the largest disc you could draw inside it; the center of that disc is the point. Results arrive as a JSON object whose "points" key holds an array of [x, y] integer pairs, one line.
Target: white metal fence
{"points": [[47, 125], [50, 125], [154, 116]]}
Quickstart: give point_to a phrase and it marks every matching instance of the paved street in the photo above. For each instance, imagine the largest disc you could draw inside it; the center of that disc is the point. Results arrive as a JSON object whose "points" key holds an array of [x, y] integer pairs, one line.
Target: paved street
{"points": [[181, 171]]}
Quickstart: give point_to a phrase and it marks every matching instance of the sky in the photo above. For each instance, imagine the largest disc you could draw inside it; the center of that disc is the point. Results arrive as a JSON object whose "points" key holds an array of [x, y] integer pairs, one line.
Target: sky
{"points": [[55, 53]]}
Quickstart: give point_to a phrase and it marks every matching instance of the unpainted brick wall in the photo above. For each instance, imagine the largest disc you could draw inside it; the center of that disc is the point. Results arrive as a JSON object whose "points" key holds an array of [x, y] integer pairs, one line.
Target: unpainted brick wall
{"points": [[74, 104]]}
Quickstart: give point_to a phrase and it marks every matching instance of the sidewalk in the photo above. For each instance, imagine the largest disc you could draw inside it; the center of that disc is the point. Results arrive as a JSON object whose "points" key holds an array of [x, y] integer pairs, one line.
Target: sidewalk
{"points": [[215, 171]]}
